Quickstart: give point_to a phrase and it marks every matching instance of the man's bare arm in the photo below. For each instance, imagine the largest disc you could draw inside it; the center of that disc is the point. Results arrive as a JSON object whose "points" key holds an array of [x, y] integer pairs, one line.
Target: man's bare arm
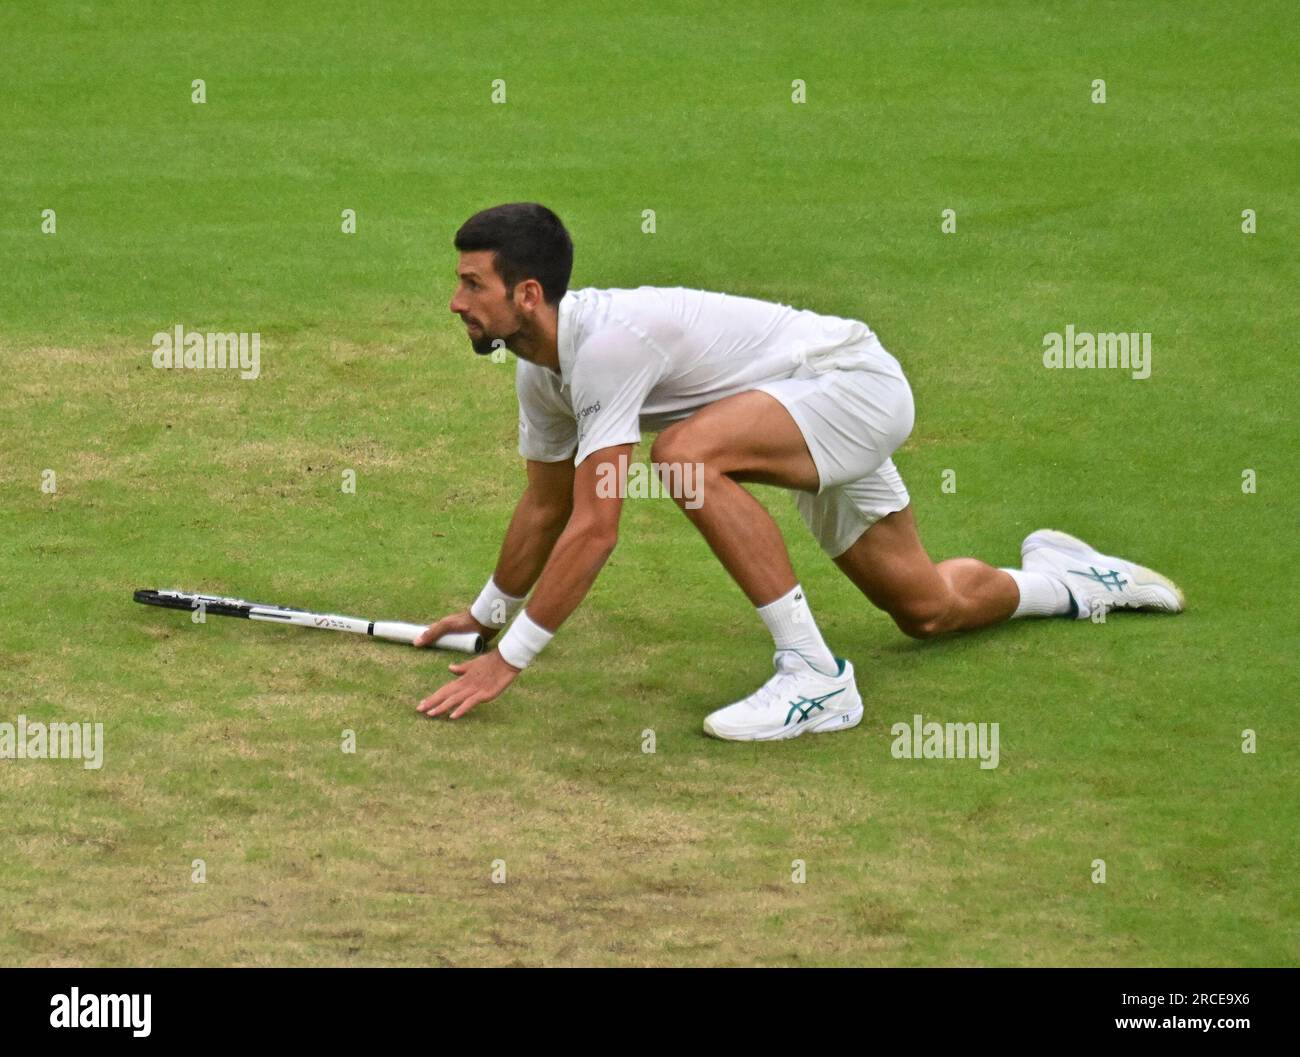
{"points": [[539, 518], [579, 554], [587, 541]]}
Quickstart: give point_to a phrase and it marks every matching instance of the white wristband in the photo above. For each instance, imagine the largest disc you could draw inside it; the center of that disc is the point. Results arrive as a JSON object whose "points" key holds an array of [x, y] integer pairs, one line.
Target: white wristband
{"points": [[493, 603], [524, 641]]}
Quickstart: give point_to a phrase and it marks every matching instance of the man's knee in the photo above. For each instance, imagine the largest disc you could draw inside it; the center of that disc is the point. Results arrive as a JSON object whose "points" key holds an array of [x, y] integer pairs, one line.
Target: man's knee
{"points": [[924, 618], [671, 444], [683, 444]]}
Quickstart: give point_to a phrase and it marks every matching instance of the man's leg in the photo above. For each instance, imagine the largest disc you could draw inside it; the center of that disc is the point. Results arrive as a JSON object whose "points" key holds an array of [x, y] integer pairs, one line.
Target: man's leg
{"points": [[752, 437], [889, 565], [749, 437]]}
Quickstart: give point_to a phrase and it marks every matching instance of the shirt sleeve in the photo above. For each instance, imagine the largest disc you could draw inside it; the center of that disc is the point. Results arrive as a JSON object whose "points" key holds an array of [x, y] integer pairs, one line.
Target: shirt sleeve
{"points": [[547, 430], [611, 377]]}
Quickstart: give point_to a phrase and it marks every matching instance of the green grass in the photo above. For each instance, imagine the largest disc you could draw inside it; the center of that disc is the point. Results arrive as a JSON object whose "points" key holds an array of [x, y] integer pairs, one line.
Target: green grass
{"points": [[1120, 742]]}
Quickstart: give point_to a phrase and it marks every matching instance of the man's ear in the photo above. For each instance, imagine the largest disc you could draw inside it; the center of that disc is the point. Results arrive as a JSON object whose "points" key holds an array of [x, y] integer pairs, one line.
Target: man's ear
{"points": [[529, 295]]}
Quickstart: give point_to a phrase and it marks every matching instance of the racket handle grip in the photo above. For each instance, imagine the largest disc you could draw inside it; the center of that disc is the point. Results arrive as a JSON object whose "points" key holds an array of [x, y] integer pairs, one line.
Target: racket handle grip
{"points": [[461, 642], [397, 631]]}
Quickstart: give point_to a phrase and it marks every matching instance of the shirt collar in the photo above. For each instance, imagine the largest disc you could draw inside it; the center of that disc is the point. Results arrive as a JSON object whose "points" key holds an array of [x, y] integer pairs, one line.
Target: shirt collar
{"points": [[565, 334]]}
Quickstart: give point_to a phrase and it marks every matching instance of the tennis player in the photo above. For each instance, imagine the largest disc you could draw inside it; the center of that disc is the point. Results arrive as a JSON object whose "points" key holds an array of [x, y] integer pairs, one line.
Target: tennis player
{"points": [[738, 390]]}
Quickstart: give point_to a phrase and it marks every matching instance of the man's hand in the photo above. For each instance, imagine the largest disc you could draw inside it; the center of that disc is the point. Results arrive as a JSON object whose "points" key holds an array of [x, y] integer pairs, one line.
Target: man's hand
{"points": [[478, 680], [457, 622]]}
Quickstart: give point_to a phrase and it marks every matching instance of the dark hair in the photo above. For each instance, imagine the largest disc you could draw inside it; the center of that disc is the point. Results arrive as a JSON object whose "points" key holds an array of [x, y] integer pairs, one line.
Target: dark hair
{"points": [[528, 242]]}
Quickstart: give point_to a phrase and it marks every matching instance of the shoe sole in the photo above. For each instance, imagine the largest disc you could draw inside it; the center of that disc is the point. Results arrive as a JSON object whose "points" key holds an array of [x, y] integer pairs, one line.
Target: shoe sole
{"points": [[824, 725], [1063, 541]]}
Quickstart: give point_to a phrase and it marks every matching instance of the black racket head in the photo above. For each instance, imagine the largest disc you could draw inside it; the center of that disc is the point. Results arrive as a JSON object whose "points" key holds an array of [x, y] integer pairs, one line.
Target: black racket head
{"points": [[217, 606]]}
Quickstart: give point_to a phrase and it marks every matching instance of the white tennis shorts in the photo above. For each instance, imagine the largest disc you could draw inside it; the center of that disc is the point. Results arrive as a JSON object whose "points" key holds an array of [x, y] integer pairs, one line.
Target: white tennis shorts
{"points": [[852, 421]]}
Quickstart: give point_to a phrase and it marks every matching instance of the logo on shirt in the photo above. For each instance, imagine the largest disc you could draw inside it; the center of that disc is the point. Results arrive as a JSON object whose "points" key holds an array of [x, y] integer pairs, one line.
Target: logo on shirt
{"points": [[586, 412]]}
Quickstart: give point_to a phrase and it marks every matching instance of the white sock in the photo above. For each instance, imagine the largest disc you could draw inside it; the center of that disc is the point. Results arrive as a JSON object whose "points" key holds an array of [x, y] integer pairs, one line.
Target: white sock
{"points": [[1040, 595], [792, 626]]}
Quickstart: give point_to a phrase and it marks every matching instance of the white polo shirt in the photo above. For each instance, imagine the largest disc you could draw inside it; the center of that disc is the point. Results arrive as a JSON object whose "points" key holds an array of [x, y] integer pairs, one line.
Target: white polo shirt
{"points": [[634, 360]]}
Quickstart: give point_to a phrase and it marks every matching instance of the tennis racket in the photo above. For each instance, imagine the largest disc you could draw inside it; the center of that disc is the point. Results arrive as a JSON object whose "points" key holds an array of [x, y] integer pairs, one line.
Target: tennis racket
{"points": [[393, 630]]}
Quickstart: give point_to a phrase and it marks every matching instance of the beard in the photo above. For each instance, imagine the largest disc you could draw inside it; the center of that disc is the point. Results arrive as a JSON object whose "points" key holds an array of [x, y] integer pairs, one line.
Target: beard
{"points": [[484, 346], [486, 343]]}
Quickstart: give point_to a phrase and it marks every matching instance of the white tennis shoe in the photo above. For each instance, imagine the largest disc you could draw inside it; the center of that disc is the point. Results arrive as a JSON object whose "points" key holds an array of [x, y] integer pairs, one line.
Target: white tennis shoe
{"points": [[1096, 580], [796, 699]]}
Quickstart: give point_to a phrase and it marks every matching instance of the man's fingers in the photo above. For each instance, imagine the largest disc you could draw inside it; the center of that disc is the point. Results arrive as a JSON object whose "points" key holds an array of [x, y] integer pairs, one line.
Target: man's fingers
{"points": [[467, 704], [448, 703], [430, 705], [447, 697], [436, 698], [431, 634], [474, 684]]}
